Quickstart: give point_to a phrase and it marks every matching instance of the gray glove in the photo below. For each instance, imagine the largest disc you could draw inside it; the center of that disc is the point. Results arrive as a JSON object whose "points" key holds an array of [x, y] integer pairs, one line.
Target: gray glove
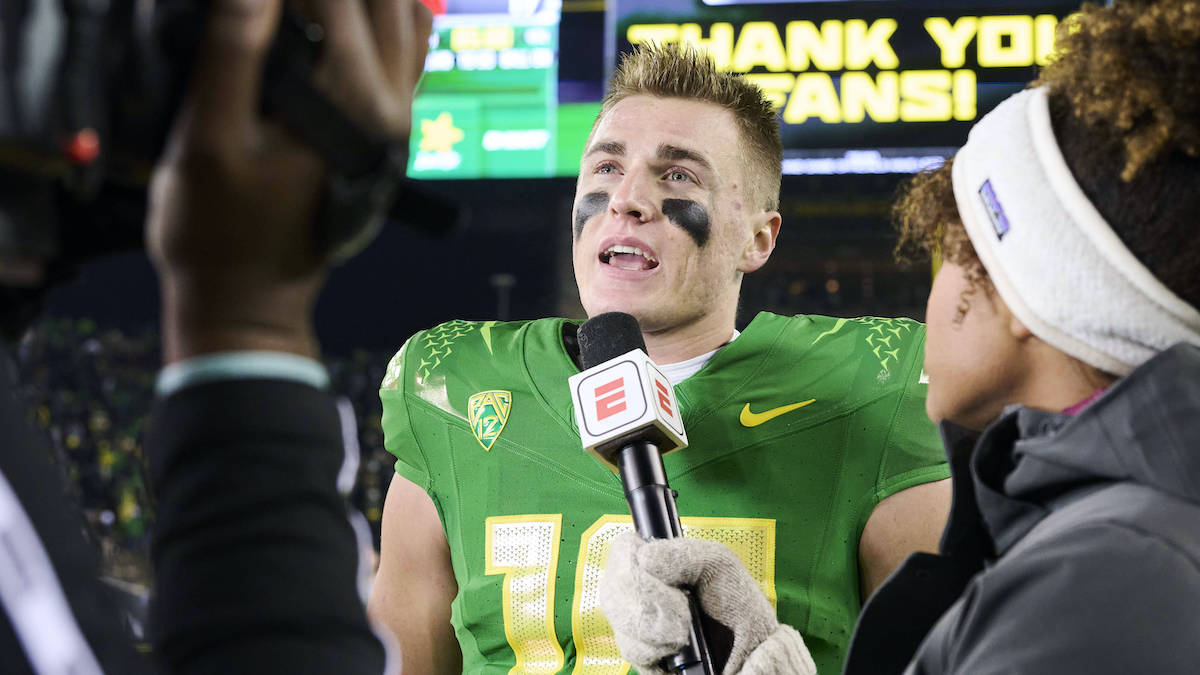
{"points": [[649, 615]]}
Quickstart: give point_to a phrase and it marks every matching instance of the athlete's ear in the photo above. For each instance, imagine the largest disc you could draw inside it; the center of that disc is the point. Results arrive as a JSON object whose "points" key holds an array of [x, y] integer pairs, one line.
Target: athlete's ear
{"points": [[758, 249], [1005, 317]]}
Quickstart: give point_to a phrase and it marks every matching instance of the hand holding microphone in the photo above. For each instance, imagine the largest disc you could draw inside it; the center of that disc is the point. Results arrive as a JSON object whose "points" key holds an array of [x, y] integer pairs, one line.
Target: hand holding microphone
{"points": [[641, 597], [627, 416]]}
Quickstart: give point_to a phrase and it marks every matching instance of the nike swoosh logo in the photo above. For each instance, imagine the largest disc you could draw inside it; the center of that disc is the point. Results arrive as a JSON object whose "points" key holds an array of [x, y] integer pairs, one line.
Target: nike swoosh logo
{"points": [[753, 419]]}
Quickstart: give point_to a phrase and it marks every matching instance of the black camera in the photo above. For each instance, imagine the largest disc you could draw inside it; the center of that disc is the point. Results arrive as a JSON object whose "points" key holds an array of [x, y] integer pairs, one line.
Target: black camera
{"points": [[86, 95], [88, 91]]}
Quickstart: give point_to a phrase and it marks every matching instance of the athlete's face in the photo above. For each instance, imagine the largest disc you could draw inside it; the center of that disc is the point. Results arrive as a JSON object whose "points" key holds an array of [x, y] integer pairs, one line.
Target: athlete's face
{"points": [[971, 357], [664, 221]]}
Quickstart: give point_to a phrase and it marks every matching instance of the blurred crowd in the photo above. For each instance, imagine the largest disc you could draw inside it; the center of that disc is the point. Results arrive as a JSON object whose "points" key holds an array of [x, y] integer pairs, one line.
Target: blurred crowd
{"points": [[89, 388]]}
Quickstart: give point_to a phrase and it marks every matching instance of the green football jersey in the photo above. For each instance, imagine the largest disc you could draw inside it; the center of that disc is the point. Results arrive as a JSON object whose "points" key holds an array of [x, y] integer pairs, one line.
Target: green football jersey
{"points": [[797, 429]]}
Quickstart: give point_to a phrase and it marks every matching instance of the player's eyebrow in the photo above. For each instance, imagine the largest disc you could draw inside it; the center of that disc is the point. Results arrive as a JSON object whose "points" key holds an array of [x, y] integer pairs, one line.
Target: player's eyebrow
{"points": [[607, 147], [674, 153]]}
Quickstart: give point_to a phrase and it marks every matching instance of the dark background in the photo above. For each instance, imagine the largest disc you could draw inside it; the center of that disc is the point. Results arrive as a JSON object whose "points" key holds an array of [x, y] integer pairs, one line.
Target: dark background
{"points": [[833, 257]]}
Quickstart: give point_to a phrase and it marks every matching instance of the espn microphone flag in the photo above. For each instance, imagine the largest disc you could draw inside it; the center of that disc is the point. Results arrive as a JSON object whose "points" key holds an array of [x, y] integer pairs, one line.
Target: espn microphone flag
{"points": [[624, 395], [621, 394]]}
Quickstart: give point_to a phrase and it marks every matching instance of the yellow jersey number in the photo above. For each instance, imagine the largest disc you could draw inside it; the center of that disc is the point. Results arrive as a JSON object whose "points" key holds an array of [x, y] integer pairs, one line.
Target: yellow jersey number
{"points": [[525, 550]]}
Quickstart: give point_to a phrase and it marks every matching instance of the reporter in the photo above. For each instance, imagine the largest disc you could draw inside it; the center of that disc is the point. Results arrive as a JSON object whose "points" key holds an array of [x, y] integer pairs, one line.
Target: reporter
{"points": [[1064, 320]]}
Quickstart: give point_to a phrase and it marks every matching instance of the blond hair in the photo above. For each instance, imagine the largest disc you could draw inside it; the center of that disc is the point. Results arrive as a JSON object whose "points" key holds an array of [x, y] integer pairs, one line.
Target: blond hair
{"points": [[673, 71]]}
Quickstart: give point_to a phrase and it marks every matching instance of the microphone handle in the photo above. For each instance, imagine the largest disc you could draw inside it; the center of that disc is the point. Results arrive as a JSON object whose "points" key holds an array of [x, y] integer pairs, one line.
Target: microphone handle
{"points": [[652, 505]]}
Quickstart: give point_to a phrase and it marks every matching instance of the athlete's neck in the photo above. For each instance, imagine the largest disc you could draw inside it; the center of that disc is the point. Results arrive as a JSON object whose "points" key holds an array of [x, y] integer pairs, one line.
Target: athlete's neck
{"points": [[688, 342], [1057, 381]]}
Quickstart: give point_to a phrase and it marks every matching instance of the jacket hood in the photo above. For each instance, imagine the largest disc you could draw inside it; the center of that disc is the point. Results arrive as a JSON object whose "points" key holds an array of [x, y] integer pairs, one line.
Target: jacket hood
{"points": [[1145, 430]]}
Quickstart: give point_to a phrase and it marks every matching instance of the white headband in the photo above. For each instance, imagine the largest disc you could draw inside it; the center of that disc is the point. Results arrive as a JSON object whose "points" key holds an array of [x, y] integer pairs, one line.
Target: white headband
{"points": [[1054, 260]]}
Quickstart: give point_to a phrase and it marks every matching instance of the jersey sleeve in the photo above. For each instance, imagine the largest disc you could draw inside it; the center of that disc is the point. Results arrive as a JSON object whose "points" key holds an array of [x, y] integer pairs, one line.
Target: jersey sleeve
{"points": [[398, 436], [912, 451]]}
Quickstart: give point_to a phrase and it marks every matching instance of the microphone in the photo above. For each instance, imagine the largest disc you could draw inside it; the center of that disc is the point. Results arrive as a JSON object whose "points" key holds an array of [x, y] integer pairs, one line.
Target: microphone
{"points": [[628, 418]]}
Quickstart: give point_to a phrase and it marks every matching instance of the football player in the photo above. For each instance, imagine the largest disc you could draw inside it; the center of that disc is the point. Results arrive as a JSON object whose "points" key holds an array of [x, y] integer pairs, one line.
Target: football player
{"points": [[810, 453]]}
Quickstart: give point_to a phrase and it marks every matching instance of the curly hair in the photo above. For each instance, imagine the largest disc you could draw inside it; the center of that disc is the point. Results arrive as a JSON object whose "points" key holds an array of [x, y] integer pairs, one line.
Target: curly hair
{"points": [[926, 216], [1125, 106], [1131, 71]]}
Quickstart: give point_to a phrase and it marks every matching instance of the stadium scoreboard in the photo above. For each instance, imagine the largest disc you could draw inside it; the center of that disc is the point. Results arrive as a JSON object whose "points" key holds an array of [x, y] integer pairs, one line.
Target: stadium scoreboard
{"points": [[862, 87], [487, 104], [882, 86]]}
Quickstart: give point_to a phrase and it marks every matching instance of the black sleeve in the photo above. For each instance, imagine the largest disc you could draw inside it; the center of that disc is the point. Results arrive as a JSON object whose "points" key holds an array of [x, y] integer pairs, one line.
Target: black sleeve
{"points": [[255, 560], [45, 560]]}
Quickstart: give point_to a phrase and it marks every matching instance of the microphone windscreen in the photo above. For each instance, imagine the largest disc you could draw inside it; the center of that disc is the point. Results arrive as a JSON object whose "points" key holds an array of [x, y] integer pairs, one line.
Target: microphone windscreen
{"points": [[607, 336]]}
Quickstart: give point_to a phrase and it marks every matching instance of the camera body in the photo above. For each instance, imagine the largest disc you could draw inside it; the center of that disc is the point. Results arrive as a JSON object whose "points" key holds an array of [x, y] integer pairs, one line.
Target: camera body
{"points": [[89, 91]]}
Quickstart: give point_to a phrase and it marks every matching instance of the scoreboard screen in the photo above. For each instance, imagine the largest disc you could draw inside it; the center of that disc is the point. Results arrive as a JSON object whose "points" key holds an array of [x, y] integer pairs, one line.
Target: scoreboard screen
{"points": [[862, 87], [487, 104]]}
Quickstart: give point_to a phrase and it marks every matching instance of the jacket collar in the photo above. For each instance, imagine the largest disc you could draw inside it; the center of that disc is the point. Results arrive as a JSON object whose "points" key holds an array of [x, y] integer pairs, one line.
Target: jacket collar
{"points": [[1143, 430], [963, 538]]}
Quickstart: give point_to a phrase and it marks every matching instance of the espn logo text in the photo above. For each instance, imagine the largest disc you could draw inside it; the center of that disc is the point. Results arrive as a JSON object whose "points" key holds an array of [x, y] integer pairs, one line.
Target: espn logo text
{"points": [[610, 398]]}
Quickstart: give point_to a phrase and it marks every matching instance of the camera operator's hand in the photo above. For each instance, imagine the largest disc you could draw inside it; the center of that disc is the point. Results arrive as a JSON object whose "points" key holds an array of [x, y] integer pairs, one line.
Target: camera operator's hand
{"points": [[233, 200]]}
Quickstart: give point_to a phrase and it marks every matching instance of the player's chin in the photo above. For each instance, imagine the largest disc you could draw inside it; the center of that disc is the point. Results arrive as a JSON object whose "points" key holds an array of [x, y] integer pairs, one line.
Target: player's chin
{"points": [[605, 295], [639, 306], [604, 305]]}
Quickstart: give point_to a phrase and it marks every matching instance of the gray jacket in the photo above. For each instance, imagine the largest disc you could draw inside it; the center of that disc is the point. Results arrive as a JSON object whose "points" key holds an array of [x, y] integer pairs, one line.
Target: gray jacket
{"points": [[1078, 539]]}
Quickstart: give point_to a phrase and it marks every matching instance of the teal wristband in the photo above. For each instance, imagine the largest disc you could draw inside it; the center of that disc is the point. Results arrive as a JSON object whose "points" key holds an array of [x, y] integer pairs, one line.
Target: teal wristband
{"points": [[240, 365]]}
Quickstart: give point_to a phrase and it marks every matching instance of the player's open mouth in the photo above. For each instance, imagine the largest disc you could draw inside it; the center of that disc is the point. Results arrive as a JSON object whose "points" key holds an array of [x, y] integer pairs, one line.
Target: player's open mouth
{"points": [[628, 258]]}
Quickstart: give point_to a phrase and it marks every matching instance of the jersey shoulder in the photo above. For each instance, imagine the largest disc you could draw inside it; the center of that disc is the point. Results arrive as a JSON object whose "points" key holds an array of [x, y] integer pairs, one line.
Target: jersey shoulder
{"points": [[889, 343], [850, 359], [464, 354]]}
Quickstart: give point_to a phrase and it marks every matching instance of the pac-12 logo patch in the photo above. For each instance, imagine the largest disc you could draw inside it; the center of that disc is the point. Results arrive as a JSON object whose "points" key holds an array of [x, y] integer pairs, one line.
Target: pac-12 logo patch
{"points": [[487, 413]]}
